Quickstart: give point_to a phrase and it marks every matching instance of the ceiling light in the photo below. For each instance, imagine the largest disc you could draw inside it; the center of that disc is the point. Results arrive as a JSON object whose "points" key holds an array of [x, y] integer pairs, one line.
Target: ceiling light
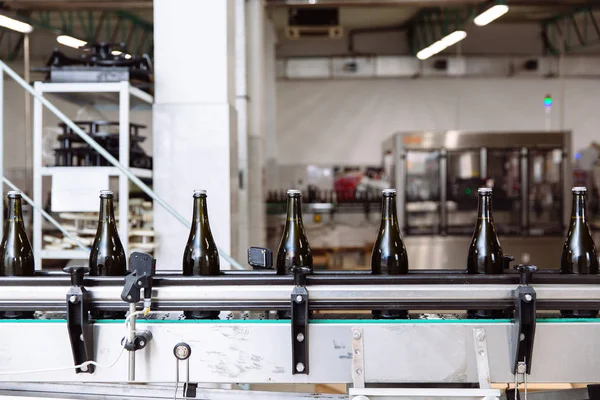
{"points": [[490, 14], [15, 25], [70, 41], [441, 44]]}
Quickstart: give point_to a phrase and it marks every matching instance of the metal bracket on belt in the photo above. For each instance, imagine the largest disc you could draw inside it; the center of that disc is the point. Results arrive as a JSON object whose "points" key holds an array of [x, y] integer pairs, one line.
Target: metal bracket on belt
{"points": [[523, 332], [299, 315], [81, 333]]}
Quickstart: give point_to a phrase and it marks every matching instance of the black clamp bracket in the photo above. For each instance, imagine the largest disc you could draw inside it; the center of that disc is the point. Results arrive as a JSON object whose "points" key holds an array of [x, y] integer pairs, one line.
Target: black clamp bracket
{"points": [[81, 332], [524, 327], [299, 316], [142, 268]]}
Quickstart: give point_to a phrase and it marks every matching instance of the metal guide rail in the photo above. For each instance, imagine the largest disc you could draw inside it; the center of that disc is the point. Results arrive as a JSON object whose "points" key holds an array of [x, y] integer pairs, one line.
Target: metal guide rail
{"points": [[307, 348]]}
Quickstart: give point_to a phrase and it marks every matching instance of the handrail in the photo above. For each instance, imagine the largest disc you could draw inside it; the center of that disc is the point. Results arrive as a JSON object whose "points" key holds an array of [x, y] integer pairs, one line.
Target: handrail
{"points": [[125, 170], [54, 222]]}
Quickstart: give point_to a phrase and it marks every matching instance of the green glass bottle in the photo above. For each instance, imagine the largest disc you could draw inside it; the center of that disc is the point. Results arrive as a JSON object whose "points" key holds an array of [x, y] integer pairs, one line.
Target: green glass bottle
{"points": [[16, 254], [294, 250], [485, 253], [107, 257], [579, 255], [389, 255], [201, 256]]}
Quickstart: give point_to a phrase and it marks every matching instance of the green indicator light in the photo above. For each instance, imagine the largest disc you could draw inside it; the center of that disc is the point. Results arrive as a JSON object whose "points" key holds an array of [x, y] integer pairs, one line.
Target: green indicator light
{"points": [[468, 191]]}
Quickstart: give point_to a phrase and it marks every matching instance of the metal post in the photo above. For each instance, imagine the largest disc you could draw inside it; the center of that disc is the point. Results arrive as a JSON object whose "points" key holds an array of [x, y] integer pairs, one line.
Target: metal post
{"points": [[27, 136], [2, 147], [39, 100], [38, 113], [131, 366], [124, 160]]}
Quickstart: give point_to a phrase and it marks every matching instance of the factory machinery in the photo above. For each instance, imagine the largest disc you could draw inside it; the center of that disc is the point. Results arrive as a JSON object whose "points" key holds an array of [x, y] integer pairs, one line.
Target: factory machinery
{"points": [[63, 354]]}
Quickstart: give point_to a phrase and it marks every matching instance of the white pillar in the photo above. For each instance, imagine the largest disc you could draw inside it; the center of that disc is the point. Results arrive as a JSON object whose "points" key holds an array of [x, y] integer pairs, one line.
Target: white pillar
{"points": [[270, 138], [241, 106], [194, 120], [255, 17]]}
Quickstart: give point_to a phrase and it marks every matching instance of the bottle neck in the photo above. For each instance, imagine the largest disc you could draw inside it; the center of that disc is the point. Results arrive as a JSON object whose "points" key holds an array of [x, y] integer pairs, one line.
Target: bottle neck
{"points": [[484, 208], [294, 211], [388, 210], [107, 210], [578, 211], [200, 217], [15, 210]]}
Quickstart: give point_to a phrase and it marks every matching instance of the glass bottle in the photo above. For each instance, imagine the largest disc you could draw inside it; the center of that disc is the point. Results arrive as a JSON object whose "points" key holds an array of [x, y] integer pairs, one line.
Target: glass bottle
{"points": [[579, 254], [485, 253], [107, 256], [201, 256], [389, 255], [16, 254]]}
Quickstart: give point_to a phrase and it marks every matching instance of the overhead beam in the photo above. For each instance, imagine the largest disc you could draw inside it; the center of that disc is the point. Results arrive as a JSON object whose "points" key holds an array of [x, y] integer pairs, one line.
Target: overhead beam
{"points": [[573, 31], [58, 5]]}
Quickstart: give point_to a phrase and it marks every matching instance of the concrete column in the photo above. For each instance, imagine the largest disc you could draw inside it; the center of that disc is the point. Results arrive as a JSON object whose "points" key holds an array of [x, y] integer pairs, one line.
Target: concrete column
{"points": [[241, 106], [271, 173], [255, 17], [194, 120]]}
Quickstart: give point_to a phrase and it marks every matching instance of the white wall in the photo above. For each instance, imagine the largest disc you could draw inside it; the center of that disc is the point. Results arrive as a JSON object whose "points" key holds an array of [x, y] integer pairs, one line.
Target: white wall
{"points": [[345, 121]]}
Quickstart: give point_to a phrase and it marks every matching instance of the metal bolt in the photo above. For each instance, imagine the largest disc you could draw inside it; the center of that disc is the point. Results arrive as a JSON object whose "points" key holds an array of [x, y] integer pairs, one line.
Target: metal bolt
{"points": [[300, 337], [299, 367], [298, 299], [480, 335], [521, 368], [73, 299], [357, 352], [356, 335], [522, 337], [128, 297], [142, 343], [481, 352], [84, 368], [528, 298], [358, 371], [139, 283], [182, 352]]}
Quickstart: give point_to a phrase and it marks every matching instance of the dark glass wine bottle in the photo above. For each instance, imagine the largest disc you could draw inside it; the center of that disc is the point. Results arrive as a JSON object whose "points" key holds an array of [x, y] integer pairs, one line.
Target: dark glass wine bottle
{"points": [[201, 256], [389, 255], [16, 254], [107, 257], [579, 255], [294, 250], [485, 254]]}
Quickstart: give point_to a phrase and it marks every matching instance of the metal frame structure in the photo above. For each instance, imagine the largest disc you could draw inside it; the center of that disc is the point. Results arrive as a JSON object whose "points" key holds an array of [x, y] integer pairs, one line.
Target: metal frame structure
{"points": [[571, 32], [124, 90]]}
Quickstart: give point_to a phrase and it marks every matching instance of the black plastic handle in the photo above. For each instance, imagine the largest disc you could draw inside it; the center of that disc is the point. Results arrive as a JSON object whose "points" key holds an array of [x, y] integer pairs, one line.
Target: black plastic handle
{"points": [[77, 272], [526, 271]]}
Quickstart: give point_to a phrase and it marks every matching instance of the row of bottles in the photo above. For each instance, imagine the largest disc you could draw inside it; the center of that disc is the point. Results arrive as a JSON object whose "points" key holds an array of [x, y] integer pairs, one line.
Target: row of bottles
{"points": [[389, 256]]}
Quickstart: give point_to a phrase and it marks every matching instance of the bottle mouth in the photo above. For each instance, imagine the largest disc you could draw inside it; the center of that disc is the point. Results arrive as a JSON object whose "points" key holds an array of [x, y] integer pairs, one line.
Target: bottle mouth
{"points": [[579, 189], [485, 191], [199, 193], [106, 193], [294, 193], [14, 194], [388, 192]]}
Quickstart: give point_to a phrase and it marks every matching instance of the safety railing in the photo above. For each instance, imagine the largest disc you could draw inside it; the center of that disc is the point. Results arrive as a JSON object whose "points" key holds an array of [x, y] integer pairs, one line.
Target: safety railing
{"points": [[85, 137]]}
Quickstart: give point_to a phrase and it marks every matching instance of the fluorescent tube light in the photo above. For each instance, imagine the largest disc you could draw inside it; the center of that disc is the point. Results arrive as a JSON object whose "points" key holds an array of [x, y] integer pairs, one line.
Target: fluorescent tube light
{"points": [[441, 44], [15, 25], [490, 14], [70, 41]]}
